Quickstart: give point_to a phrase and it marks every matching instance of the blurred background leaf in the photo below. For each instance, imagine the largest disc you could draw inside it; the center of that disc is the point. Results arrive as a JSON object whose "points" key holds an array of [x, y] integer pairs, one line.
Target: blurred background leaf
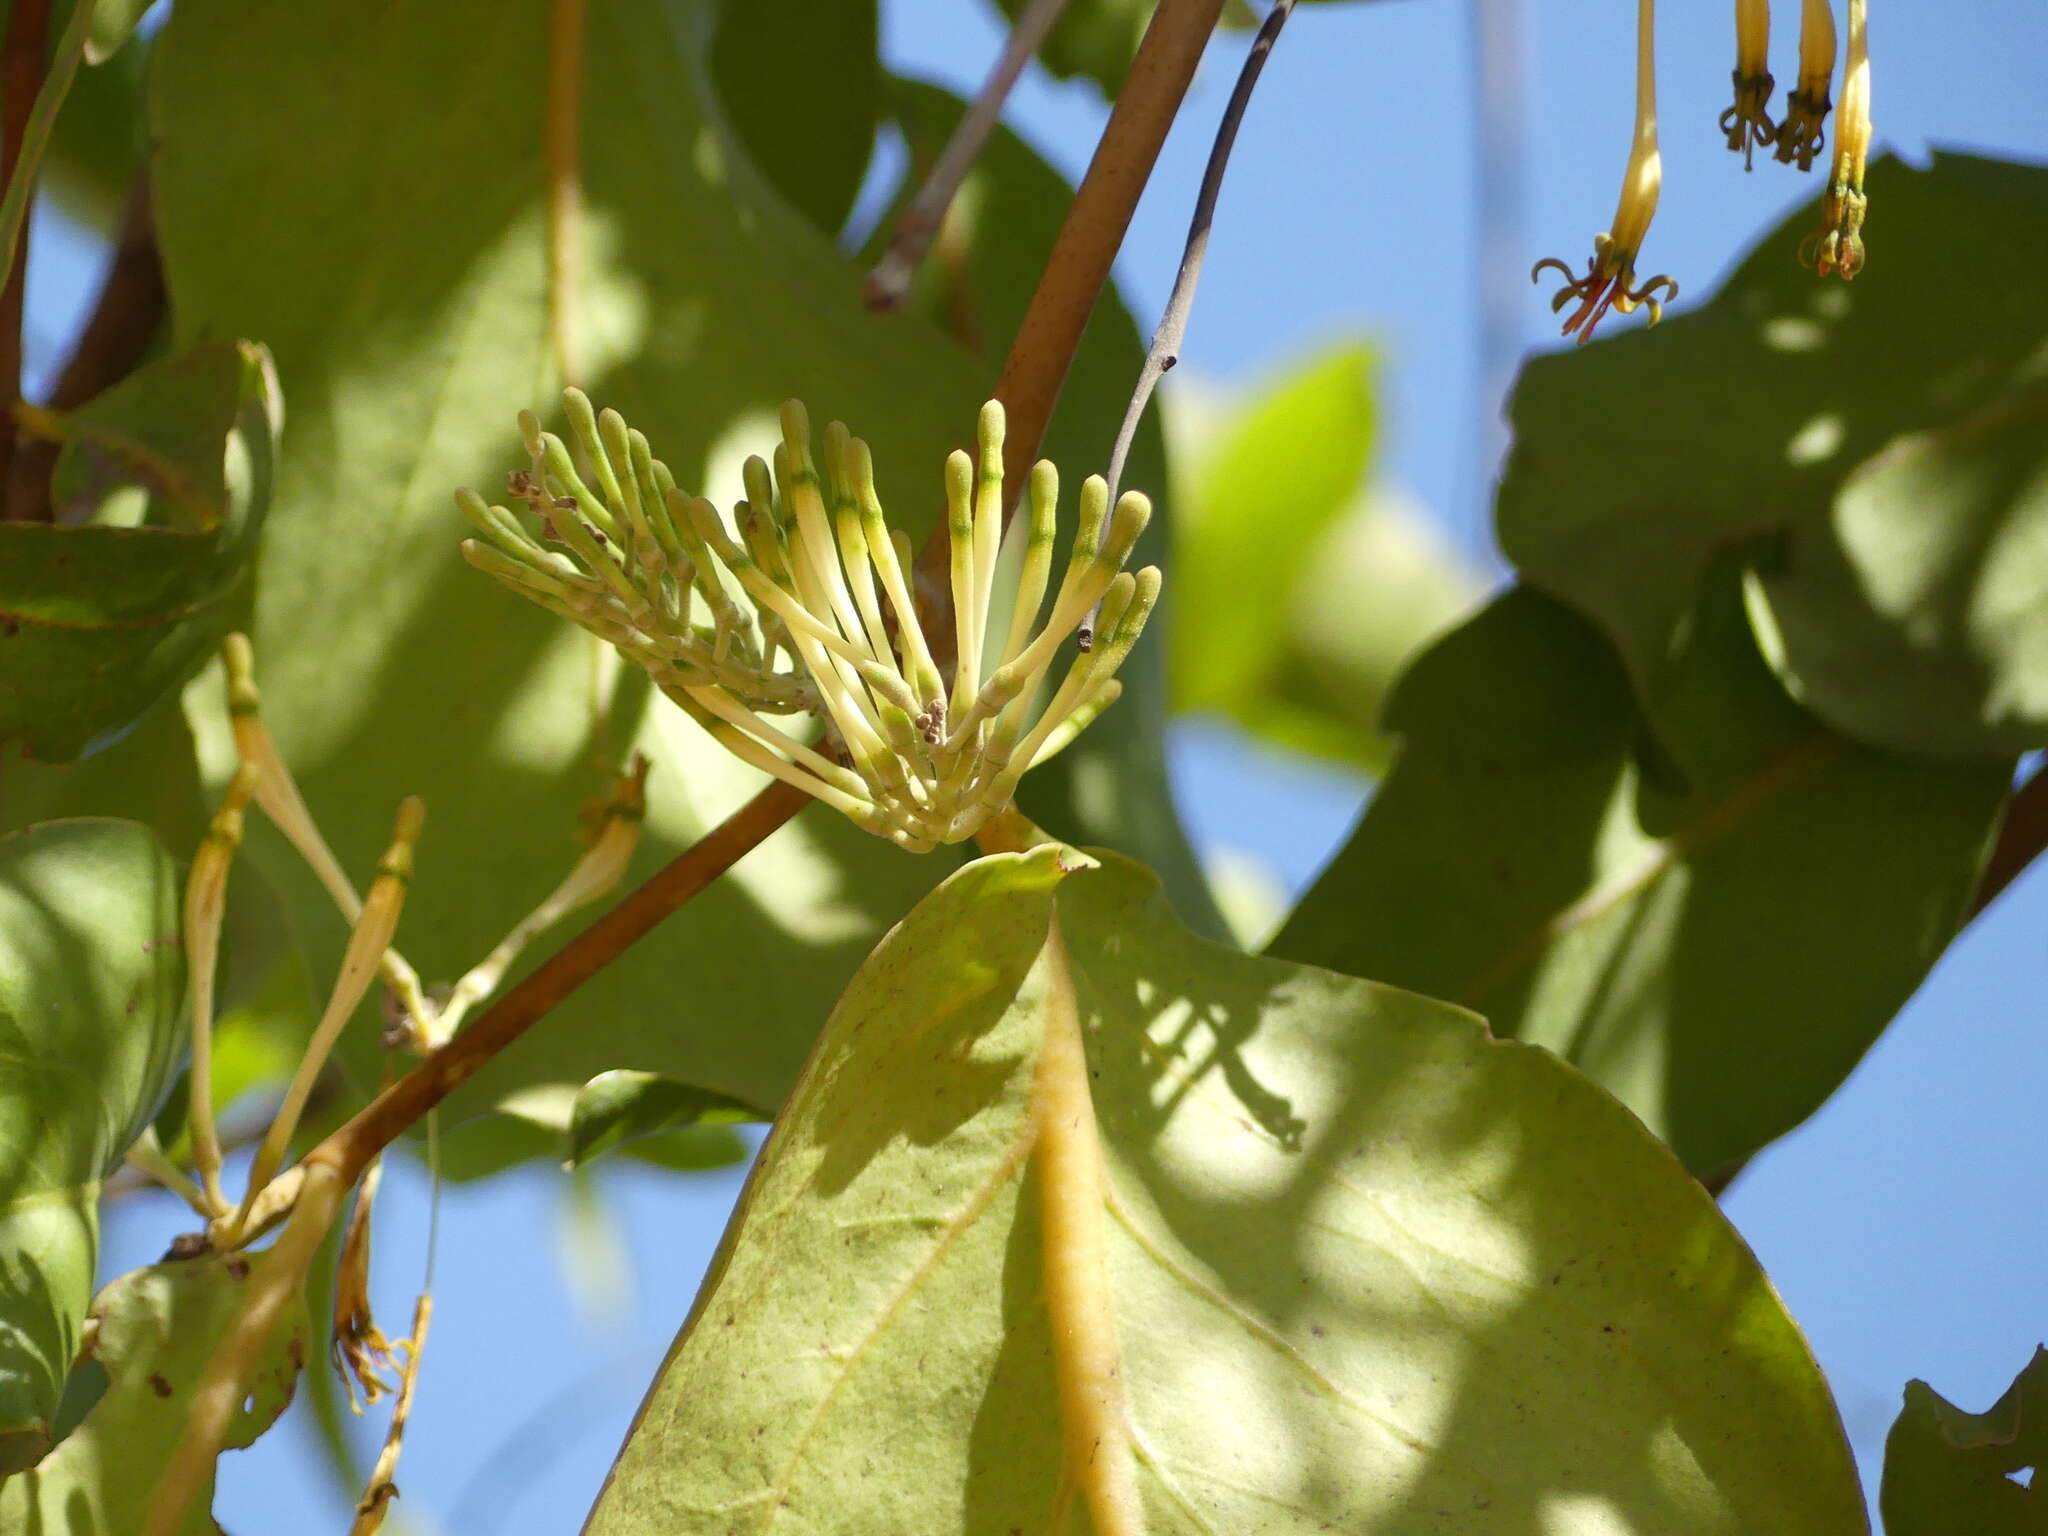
{"points": [[800, 87], [101, 139], [1299, 593], [1095, 40]]}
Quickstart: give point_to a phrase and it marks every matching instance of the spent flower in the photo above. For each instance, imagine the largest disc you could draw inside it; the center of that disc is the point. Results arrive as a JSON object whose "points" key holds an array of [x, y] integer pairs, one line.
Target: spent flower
{"points": [[805, 609], [1610, 277], [1748, 123], [1801, 135], [1837, 246]]}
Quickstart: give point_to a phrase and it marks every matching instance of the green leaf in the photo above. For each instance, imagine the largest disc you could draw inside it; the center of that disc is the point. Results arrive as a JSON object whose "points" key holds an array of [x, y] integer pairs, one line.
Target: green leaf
{"points": [[1254, 508], [617, 1108], [112, 22], [1711, 930], [1367, 1268], [92, 983], [1764, 421], [1297, 597], [1092, 40], [157, 1329], [101, 141], [97, 623], [1916, 615], [1948, 1471], [536, 1124], [800, 86], [1111, 785]]}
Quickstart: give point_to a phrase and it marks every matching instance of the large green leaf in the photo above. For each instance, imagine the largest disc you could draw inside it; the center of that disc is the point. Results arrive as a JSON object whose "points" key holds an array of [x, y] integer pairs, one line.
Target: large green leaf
{"points": [[1112, 782], [1762, 422], [800, 84], [101, 140], [112, 22], [1707, 923], [1367, 1269], [1947, 1471], [400, 275], [97, 623], [157, 1328], [1916, 614], [92, 983], [1298, 596]]}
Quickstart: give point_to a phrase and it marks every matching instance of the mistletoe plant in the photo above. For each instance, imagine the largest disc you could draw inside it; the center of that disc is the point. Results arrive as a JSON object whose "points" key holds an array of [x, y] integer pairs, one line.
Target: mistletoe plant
{"points": [[1077, 1213]]}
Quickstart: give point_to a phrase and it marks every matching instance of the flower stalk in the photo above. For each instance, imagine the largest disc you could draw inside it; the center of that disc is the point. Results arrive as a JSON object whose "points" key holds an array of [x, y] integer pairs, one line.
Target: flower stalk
{"points": [[1610, 277]]}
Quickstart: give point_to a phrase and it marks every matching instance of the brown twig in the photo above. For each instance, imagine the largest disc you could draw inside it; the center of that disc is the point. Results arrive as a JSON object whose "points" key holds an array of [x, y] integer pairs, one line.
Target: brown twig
{"points": [[349, 1149], [24, 54], [1079, 263], [1173, 322]]}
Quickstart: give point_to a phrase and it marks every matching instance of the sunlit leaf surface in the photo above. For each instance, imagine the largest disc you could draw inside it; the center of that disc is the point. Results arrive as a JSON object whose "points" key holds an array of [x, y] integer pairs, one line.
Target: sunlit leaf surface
{"points": [[92, 983], [1369, 1270]]}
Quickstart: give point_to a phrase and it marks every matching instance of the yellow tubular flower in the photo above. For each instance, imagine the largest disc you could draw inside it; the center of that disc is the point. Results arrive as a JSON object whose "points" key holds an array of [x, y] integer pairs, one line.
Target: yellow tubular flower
{"points": [[1837, 246], [1610, 280], [1799, 135], [1748, 123]]}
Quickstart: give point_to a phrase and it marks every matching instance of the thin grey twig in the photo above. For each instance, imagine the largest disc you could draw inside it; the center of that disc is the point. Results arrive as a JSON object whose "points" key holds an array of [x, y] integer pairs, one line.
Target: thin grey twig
{"points": [[889, 284], [1173, 323]]}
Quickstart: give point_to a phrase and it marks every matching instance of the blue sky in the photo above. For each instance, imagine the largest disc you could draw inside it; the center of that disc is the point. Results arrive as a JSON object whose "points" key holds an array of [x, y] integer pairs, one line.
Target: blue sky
{"points": [[1902, 1224]]}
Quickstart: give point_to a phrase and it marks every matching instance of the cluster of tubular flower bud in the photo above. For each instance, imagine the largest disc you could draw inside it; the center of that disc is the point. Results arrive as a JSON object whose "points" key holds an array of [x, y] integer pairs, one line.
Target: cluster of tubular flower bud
{"points": [[1609, 281], [802, 606]]}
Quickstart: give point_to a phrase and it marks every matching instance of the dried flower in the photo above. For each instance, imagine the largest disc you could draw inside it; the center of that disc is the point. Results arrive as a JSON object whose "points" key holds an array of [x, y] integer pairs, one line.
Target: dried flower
{"points": [[1748, 123], [1799, 135], [1610, 279]]}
